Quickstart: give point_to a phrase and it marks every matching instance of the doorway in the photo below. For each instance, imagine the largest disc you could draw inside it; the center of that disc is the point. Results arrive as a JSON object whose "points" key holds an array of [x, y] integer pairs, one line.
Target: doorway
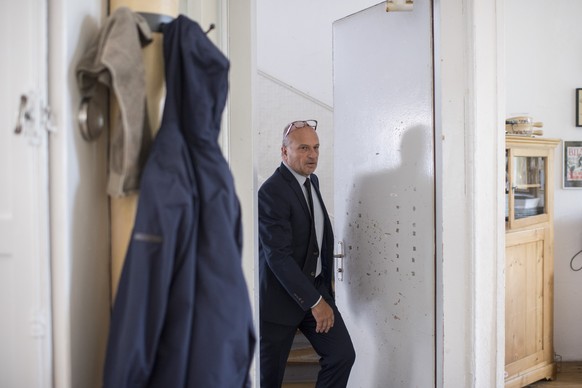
{"points": [[282, 98]]}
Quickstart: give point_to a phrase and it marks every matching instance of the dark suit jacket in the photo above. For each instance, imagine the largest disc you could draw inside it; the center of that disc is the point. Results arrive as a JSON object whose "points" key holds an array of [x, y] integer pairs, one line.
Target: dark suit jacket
{"points": [[287, 254]]}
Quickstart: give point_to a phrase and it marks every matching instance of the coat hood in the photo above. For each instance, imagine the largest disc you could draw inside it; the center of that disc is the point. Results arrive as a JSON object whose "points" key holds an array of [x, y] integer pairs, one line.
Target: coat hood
{"points": [[195, 95]]}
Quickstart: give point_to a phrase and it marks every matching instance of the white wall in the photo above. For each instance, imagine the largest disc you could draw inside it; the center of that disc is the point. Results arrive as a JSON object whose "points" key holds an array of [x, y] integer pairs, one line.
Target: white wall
{"points": [[294, 40], [544, 67]]}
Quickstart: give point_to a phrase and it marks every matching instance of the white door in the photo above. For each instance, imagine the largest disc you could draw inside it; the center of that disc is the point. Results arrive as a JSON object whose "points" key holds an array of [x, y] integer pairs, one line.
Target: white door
{"points": [[384, 193], [25, 324]]}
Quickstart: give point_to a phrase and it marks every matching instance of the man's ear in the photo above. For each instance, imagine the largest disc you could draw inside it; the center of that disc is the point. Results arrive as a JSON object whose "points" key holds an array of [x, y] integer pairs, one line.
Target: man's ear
{"points": [[283, 151]]}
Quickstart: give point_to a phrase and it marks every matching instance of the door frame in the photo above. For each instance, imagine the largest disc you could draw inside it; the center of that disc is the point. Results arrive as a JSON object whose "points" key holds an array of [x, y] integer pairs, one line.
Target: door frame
{"points": [[470, 211]]}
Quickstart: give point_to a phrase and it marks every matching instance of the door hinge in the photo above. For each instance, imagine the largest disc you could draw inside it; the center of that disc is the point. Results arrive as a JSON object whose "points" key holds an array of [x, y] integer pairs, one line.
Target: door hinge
{"points": [[399, 5], [47, 119], [38, 324]]}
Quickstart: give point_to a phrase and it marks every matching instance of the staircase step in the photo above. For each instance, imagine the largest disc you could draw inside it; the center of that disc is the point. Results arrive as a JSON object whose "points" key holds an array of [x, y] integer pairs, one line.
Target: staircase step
{"points": [[301, 373], [302, 364], [302, 351], [303, 356]]}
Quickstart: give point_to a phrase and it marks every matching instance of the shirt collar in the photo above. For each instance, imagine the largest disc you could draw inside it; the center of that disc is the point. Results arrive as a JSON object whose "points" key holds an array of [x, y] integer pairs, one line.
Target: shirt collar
{"points": [[300, 178]]}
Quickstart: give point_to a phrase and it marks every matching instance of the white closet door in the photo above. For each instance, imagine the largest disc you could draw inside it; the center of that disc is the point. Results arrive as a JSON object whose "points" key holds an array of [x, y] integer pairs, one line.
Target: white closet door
{"points": [[25, 323]]}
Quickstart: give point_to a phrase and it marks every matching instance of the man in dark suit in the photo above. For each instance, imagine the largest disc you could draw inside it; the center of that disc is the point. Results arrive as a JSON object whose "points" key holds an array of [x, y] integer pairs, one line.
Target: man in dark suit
{"points": [[296, 266]]}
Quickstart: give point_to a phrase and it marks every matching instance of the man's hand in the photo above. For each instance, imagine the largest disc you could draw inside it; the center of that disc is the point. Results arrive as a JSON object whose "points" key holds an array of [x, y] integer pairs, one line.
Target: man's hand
{"points": [[323, 315]]}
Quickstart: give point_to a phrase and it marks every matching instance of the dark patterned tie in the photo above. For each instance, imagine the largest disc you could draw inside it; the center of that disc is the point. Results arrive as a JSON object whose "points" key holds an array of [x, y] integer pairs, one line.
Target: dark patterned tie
{"points": [[307, 185]]}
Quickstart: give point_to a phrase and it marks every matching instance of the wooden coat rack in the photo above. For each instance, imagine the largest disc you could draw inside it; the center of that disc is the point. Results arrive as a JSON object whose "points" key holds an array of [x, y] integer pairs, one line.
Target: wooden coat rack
{"points": [[123, 210]]}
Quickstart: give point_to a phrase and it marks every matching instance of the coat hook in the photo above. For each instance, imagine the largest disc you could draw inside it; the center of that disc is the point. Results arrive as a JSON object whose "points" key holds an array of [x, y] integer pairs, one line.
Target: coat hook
{"points": [[156, 21], [210, 28]]}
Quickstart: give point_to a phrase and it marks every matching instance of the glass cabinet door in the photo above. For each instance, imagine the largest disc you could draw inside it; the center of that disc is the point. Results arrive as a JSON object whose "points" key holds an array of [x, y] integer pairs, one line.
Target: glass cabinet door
{"points": [[528, 186], [525, 185]]}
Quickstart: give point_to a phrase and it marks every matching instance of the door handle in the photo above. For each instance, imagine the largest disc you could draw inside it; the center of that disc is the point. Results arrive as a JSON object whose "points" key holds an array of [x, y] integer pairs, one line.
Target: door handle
{"points": [[339, 261]]}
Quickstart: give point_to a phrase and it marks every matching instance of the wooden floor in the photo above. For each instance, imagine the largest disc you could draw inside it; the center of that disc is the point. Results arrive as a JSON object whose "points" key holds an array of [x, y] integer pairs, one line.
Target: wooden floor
{"points": [[569, 376]]}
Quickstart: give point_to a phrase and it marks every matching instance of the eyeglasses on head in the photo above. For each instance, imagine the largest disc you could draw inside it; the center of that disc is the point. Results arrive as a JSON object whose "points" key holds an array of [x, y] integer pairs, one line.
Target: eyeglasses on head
{"points": [[300, 124]]}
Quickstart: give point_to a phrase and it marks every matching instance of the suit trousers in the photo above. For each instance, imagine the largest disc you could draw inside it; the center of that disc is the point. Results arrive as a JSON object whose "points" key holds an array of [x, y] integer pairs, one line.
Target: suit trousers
{"points": [[335, 348]]}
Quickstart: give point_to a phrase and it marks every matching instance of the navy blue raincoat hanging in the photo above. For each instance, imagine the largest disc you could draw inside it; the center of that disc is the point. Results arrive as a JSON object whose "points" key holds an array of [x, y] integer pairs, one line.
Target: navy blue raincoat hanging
{"points": [[182, 315]]}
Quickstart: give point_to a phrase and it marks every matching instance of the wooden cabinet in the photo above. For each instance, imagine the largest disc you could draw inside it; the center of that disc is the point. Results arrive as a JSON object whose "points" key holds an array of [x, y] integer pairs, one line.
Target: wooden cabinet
{"points": [[529, 260]]}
